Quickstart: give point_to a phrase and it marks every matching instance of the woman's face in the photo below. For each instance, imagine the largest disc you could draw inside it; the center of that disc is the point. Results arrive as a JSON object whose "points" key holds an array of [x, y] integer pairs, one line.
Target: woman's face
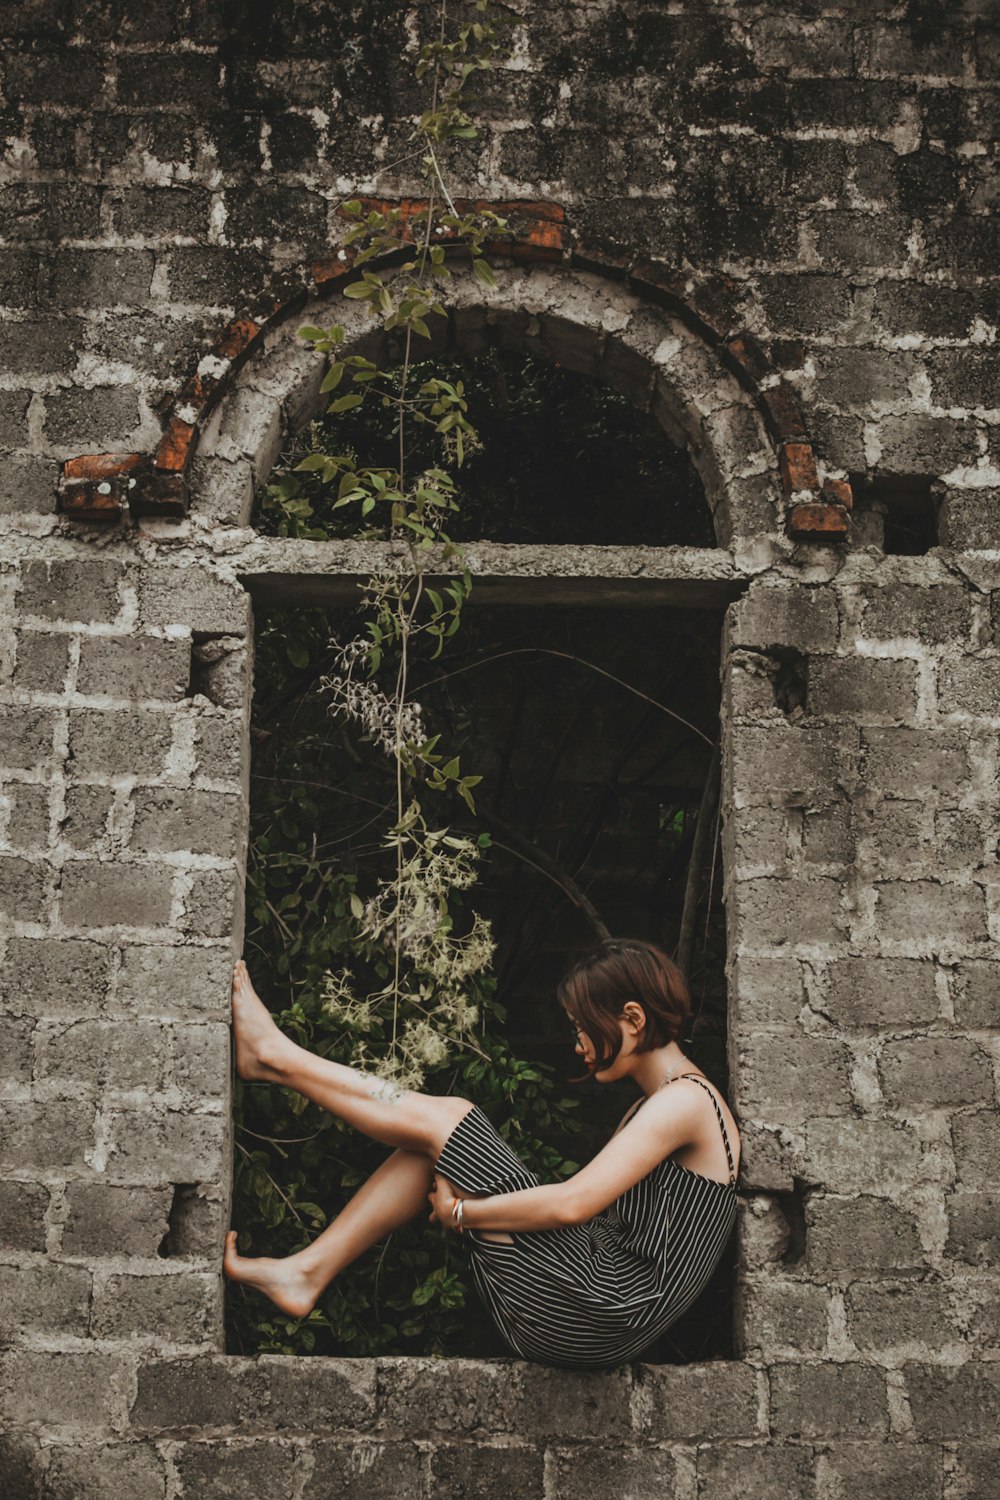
{"points": [[585, 1048]]}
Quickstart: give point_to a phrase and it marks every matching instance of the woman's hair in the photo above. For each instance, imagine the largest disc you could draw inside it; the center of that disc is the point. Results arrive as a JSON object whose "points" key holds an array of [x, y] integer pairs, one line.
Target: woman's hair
{"points": [[597, 988]]}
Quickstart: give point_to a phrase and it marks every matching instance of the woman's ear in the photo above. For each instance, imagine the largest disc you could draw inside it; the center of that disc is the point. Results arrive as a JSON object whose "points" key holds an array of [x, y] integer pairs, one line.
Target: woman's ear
{"points": [[635, 1016]]}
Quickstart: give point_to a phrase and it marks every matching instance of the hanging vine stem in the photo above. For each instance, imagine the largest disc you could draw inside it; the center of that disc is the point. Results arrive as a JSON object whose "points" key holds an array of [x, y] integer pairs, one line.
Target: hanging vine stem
{"points": [[424, 1010]]}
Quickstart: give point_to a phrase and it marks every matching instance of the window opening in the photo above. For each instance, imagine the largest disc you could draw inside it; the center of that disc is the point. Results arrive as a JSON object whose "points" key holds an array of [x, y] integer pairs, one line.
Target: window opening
{"points": [[563, 458], [589, 806], [899, 514]]}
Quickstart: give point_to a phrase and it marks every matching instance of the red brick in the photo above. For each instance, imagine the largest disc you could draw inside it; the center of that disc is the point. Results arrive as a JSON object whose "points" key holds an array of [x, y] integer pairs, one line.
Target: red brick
{"points": [[798, 467], [812, 520]]}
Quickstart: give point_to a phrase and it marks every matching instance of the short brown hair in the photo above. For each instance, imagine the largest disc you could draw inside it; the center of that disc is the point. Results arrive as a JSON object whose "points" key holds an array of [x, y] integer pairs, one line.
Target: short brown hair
{"points": [[599, 985]]}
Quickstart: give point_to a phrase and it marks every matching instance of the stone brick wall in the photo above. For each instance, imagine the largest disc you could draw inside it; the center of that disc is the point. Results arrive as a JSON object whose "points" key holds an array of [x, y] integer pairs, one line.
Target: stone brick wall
{"points": [[777, 232]]}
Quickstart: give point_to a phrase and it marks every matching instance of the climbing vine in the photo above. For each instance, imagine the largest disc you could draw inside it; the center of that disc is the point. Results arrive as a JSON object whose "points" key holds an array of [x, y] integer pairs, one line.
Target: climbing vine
{"points": [[394, 977]]}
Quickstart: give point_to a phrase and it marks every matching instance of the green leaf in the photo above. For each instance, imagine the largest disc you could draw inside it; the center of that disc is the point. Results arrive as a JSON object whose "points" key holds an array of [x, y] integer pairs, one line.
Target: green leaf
{"points": [[332, 379], [483, 272], [359, 291], [346, 403]]}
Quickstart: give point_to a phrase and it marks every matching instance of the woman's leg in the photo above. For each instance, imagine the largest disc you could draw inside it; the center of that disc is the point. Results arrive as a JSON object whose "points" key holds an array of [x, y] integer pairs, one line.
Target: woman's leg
{"points": [[391, 1197], [376, 1107]]}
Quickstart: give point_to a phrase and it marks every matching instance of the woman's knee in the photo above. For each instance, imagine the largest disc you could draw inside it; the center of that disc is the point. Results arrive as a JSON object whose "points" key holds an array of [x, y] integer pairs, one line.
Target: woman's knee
{"points": [[450, 1113]]}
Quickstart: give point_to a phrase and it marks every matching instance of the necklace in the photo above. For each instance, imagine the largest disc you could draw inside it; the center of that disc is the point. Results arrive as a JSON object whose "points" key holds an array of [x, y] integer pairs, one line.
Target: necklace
{"points": [[669, 1079]]}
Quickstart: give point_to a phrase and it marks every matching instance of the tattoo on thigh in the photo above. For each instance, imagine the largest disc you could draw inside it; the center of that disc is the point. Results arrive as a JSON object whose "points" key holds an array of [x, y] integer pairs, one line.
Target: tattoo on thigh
{"points": [[385, 1091]]}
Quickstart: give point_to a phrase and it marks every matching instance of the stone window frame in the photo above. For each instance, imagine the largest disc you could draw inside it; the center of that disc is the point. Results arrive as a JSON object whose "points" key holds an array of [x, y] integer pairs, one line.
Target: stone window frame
{"points": [[581, 321]]}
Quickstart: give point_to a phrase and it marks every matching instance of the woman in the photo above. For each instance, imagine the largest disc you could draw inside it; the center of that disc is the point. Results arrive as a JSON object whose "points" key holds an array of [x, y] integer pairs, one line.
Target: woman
{"points": [[589, 1271]]}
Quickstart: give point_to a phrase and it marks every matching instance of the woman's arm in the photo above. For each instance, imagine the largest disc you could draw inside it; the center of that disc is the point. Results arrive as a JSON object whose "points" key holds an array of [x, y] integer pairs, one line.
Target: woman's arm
{"points": [[666, 1122]]}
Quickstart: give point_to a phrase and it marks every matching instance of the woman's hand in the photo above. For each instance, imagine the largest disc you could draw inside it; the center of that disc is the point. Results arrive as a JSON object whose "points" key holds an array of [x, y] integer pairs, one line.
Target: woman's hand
{"points": [[443, 1198]]}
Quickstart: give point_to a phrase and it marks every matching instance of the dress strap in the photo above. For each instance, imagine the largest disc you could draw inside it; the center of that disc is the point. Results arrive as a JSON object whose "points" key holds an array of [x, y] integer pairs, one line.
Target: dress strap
{"points": [[696, 1078]]}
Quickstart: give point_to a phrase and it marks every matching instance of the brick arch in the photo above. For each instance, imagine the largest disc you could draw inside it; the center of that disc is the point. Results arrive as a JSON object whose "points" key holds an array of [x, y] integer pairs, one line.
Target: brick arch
{"points": [[633, 323]]}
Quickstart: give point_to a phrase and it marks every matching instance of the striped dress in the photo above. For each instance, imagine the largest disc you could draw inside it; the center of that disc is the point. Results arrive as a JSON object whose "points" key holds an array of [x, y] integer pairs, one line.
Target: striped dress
{"points": [[598, 1293]]}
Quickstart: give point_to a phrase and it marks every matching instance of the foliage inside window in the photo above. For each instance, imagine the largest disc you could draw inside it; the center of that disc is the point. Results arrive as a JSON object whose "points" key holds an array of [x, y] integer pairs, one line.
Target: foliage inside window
{"points": [[561, 458]]}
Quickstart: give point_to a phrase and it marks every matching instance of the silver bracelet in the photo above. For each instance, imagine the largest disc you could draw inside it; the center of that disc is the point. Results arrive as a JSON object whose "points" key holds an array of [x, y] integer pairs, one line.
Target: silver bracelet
{"points": [[456, 1215]]}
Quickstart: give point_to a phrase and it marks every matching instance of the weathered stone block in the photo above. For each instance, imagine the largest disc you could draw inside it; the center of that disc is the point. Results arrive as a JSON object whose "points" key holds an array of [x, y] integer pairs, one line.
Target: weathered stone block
{"points": [[143, 667], [777, 1315], [878, 992], [232, 1471], [323, 1394], [120, 1469], [884, 1318], [116, 894], [104, 1054], [967, 517], [478, 1472], [868, 690], [977, 1148], [792, 1073], [83, 591], [212, 905], [772, 910], [929, 913], [937, 614], [767, 1162], [954, 1402], [219, 746], [24, 889], [903, 760], [934, 1071], [195, 597], [767, 991], [116, 742], [698, 1402], [861, 1235], [896, 835], [835, 1148], [16, 1047], [52, 976], [785, 763], [85, 822], [47, 1298], [572, 1406], [42, 661], [355, 1471], [106, 1220], [463, 1397], [175, 981], [71, 1389], [879, 1471], [756, 1471], [208, 1393], [916, 444], [22, 1215], [182, 1308], [199, 1058], [974, 1227], [976, 991], [29, 816], [806, 618], [828, 835], [970, 686], [25, 736], [44, 1133], [590, 1472], [202, 822], [168, 1148], [815, 1401]]}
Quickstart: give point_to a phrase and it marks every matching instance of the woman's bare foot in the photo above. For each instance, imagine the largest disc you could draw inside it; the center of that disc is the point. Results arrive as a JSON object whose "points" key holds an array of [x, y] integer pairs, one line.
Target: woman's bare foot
{"points": [[260, 1046], [287, 1282]]}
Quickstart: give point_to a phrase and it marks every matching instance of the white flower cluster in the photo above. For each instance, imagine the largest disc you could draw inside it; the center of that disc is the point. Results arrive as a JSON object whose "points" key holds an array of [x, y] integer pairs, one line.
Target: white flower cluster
{"points": [[382, 719], [436, 1012]]}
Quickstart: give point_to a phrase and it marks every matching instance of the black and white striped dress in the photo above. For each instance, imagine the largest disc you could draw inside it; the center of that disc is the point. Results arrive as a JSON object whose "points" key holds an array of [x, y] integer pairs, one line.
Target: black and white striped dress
{"points": [[599, 1293]]}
